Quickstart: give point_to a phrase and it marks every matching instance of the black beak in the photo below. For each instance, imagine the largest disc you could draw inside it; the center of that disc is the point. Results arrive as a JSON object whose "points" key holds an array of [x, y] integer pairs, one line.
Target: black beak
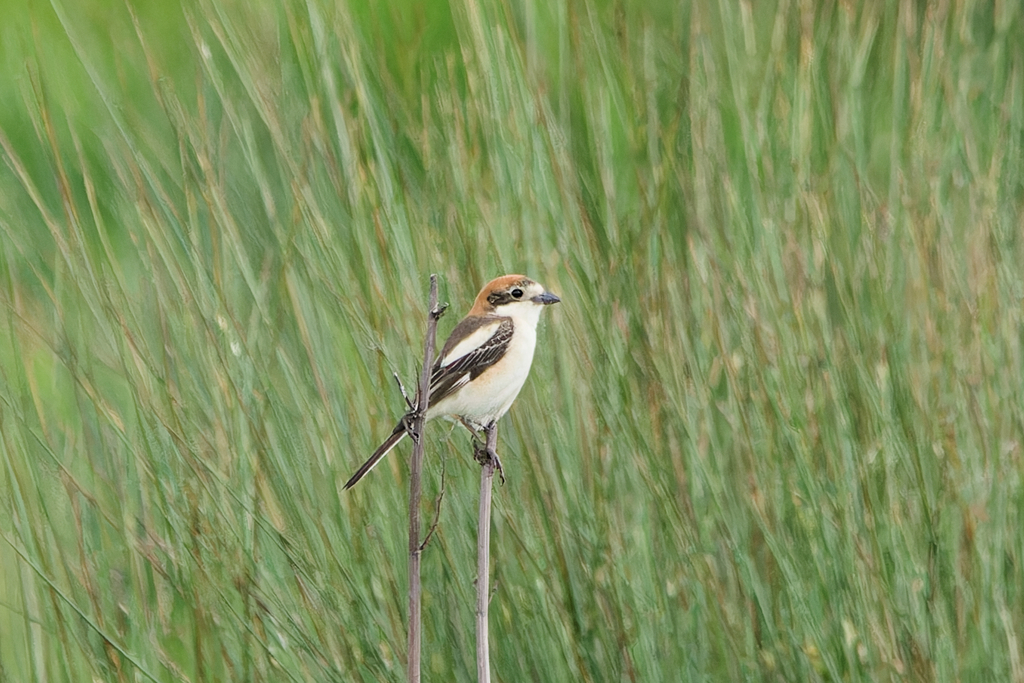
{"points": [[547, 298]]}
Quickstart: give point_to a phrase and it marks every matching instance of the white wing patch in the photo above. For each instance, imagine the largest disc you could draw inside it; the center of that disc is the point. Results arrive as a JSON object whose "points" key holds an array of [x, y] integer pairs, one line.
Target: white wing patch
{"points": [[475, 340]]}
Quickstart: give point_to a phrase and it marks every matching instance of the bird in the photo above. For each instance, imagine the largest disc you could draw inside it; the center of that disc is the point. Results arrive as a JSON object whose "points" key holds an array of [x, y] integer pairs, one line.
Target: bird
{"points": [[483, 364]]}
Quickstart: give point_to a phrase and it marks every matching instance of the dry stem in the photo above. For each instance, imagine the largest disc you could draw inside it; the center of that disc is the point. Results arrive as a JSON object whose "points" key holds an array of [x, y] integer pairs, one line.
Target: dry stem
{"points": [[415, 485], [483, 549]]}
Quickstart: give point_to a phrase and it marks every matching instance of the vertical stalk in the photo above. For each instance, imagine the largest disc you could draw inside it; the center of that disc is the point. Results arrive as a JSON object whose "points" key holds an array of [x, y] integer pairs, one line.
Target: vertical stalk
{"points": [[483, 549], [415, 487]]}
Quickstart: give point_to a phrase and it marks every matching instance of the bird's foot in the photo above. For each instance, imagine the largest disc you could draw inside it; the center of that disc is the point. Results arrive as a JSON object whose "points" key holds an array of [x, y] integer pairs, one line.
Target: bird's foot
{"points": [[484, 455], [409, 423]]}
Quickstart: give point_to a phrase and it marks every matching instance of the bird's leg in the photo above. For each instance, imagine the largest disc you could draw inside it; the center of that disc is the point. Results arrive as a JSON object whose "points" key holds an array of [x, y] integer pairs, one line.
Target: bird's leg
{"points": [[413, 414], [489, 452], [409, 423], [484, 451], [473, 429], [479, 447]]}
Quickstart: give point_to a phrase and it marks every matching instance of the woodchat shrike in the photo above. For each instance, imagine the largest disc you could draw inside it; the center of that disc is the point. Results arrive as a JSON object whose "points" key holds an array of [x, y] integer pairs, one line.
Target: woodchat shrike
{"points": [[484, 362]]}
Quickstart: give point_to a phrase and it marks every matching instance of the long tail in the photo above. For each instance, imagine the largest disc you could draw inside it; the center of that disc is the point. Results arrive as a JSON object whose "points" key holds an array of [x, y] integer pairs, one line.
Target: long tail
{"points": [[397, 435]]}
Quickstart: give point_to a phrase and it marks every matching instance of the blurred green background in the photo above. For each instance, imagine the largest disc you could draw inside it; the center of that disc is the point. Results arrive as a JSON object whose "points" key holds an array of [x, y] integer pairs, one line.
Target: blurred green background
{"points": [[773, 432]]}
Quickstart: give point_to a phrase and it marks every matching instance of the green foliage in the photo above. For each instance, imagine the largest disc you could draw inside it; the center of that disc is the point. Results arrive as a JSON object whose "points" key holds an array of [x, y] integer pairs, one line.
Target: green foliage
{"points": [[774, 431]]}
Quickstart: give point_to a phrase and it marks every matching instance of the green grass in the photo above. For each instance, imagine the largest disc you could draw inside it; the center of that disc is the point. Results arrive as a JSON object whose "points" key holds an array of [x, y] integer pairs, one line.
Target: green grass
{"points": [[774, 431]]}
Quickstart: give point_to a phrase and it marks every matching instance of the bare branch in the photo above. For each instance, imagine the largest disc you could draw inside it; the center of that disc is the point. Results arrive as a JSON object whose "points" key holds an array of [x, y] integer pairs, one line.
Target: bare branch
{"points": [[419, 417], [488, 457], [437, 511], [401, 388]]}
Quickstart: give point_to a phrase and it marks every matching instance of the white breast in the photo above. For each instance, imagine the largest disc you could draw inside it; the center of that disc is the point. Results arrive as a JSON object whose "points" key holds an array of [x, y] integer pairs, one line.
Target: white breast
{"points": [[490, 395]]}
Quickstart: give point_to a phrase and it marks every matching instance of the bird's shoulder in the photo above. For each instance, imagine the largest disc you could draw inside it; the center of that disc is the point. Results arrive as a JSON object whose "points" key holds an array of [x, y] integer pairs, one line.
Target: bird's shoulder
{"points": [[473, 334]]}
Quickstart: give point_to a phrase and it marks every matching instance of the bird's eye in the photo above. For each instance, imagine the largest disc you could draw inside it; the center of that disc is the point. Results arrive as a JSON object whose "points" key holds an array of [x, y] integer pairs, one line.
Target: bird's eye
{"points": [[517, 293]]}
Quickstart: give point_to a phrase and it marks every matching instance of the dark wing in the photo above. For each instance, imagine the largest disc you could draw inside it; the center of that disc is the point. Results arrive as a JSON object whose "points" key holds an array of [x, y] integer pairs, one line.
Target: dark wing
{"points": [[445, 379]]}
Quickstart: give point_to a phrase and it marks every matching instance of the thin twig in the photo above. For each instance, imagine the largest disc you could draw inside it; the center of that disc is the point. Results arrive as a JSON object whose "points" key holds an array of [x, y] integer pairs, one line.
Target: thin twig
{"points": [[488, 460], [401, 388], [415, 483], [437, 512]]}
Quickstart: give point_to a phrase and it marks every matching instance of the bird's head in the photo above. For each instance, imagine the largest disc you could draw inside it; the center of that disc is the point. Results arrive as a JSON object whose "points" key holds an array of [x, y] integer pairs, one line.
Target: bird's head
{"points": [[513, 296]]}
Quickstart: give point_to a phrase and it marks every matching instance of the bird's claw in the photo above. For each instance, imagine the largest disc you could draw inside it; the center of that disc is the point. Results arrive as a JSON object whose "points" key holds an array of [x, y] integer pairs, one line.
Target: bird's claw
{"points": [[483, 455], [409, 423]]}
